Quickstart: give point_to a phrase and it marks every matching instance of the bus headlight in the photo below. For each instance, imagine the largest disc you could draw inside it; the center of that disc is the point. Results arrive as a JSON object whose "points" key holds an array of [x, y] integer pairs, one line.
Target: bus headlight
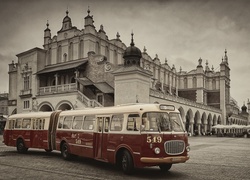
{"points": [[188, 148], [157, 150]]}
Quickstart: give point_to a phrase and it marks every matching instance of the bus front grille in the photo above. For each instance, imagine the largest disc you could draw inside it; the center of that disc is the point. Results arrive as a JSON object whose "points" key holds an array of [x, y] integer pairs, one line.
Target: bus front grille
{"points": [[174, 147]]}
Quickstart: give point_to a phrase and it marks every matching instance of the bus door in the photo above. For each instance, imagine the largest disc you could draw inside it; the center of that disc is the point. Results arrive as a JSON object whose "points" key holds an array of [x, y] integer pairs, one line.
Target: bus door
{"points": [[52, 130], [102, 137], [8, 132]]}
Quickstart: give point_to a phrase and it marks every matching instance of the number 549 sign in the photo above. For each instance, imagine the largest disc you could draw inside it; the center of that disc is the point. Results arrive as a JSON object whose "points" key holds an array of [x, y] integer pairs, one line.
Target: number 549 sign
{"points": [[154, 139]]}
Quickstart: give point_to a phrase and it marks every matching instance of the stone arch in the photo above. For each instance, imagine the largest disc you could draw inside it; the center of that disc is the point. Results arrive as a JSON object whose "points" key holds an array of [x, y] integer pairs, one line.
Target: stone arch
{"points": [[214, 120], [219, 120], [189, 121], [203, 123], [209, 122], [45, 106], [64, 105], [182, 113]]}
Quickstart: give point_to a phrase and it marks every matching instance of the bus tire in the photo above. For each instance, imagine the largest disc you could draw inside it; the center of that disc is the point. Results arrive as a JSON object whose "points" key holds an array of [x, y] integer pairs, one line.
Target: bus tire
{"points": [[165, 167], [127, 162], [65, 152], [20, 146]]}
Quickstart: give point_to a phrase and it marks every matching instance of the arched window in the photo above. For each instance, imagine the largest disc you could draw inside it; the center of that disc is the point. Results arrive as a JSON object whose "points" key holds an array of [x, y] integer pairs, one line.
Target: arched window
{"points": [[97, 48], [64, 57], [81, 49], [194, 82], [59, 54], [71, 50], [213, 84], [107, 52], [185, 83], [115, 57]]}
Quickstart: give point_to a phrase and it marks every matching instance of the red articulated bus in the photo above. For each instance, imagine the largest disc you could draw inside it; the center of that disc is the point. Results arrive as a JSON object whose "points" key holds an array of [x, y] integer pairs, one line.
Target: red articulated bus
{"points": [[130, 136]]}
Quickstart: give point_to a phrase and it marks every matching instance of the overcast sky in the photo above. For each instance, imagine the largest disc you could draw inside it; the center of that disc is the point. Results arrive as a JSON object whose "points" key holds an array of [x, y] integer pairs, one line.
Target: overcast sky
{"points": [[180, 30]]}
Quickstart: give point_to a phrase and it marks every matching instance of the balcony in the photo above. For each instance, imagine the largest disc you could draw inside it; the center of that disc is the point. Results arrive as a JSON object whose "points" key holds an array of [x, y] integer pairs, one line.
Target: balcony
{"points": [[25, 93], [58, 89]]}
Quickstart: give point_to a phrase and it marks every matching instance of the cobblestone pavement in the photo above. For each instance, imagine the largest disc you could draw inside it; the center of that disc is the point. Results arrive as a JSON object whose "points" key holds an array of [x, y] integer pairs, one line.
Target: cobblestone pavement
{"points": [[210, 158]]}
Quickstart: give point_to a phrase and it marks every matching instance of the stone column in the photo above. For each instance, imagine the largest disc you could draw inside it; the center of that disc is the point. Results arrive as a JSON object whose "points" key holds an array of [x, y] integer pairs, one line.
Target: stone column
{"points": [[199, 129]]}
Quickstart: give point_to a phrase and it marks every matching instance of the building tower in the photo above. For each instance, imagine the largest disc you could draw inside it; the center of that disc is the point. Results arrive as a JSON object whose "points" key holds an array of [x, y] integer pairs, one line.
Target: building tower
{"points": [[224, 87], [132, 82]]}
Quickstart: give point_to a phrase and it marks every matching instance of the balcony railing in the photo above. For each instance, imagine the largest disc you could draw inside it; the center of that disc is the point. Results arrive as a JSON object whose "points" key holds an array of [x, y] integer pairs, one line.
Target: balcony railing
{"points": [[88, 102], [57, 89], [25, 93]]}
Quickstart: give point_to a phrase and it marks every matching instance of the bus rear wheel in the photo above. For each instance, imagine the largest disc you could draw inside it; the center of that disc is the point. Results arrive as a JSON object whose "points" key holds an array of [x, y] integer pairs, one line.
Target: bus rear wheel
{"points": [[20, 146], [65, 152], [127, 163], [165, 167]]}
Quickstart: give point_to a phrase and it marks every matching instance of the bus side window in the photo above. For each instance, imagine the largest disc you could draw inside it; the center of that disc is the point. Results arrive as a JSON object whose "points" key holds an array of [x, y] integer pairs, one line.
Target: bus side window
{"points": [[133, 122], [116, 122], [106, 125], [26, 123], [18, 123], [88, 123], [77, 122], [60, 123], [67, 123], [11, 124]]}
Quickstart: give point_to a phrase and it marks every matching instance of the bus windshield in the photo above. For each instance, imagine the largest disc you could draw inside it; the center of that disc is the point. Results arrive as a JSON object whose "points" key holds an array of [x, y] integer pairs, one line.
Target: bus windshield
{"points": [[155, 121]]}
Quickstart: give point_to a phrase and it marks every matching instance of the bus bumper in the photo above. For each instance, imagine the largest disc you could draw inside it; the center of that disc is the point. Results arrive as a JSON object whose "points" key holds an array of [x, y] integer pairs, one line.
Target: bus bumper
{"points": [[176, 159]]}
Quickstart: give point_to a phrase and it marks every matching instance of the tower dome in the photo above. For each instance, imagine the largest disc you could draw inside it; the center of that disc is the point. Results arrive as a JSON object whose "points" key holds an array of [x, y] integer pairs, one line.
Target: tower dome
{"points": [[244, 108], [132, 54]]}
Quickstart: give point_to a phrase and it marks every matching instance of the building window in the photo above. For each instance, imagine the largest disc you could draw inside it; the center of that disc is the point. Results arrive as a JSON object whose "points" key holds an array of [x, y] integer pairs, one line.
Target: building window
{"points": [[59, 54], [185, 83], [213, 84], [26, 104], [81, 47], [97, 48], [115, 58], [64, 57], [100, 98], [26, 82], [107, 52], [71, 51], [194, 82]]}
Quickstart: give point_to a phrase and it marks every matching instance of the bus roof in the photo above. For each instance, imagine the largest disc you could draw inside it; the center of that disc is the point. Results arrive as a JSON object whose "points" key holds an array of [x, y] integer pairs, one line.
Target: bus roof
{"points": [[31, 115], [124, 108]]}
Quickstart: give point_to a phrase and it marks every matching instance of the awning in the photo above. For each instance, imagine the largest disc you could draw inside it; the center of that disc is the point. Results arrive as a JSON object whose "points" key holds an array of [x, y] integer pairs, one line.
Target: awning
{"points": [[104, 87], [63, 66], [84, 81]]}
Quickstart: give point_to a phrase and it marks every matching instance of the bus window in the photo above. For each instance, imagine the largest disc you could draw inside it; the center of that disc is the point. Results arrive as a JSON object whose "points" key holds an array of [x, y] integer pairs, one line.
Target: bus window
{"points": [[60, 123], [164, 121], [133, 122], [26, 123], [18, 123], [11, 124], [106, 125], [88, 123], [77, 122], [67, 123], [116, 122], [99, 119]]}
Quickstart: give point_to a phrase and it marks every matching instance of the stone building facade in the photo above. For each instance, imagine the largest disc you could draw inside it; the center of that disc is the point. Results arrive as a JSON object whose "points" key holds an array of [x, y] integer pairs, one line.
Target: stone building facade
{"points": [[84, 68]]}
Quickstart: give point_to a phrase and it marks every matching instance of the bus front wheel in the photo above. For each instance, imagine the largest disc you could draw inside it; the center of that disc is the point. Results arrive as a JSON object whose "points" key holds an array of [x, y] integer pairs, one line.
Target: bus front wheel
{"points": [[65, 152], [127, 162], [165, 167], [20, 146]]}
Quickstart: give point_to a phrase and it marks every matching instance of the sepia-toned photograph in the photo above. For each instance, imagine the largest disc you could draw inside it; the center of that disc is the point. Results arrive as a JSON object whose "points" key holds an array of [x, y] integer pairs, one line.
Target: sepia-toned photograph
{"points": [[135, 89]]}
